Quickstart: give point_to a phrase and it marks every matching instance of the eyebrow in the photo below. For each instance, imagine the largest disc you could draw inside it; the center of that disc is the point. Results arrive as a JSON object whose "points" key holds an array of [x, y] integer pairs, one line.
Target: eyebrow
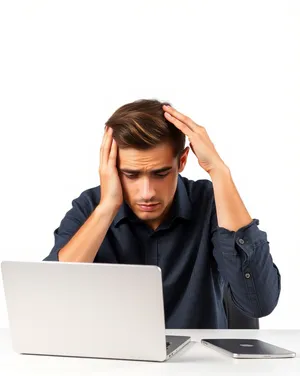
{"points": [[130, 171]]}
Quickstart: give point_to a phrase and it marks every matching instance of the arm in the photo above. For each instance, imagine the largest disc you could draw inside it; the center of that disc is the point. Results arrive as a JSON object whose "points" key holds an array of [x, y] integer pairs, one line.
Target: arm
{"points": [[231, 211], [80, 235], [84, 245], [241, 250]]}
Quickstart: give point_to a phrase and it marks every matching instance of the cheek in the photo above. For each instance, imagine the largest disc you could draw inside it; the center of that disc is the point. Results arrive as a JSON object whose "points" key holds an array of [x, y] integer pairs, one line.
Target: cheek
{"points": [[166, 188], [171, 181], [170, 188], [124, 184], [128, 188]]}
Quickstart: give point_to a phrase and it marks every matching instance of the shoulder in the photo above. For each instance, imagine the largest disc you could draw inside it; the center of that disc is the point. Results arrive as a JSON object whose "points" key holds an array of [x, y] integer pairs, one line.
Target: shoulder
{"points": [[87, 200], [198, 190]]}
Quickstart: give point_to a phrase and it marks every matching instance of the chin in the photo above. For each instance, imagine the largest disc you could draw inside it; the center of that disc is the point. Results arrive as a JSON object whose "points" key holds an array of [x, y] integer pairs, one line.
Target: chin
{"points": [[148, 215]]}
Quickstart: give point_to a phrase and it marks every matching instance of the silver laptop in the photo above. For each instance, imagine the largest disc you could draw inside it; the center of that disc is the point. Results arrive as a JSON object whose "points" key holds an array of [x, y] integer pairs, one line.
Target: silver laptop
{"points": [[87, 310], [247, 348]]}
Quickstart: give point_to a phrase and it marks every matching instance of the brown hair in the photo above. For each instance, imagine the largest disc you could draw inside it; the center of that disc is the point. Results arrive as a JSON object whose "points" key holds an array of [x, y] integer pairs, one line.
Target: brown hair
{"points": [[142, 125]]}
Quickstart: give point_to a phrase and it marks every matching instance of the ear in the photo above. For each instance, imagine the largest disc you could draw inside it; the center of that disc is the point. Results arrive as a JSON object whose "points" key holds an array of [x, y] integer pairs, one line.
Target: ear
{"points": [[183, 159]]}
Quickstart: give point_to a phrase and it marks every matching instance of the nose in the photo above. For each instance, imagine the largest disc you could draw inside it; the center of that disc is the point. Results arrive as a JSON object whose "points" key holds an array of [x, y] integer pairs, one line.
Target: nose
{"points": [[147, 190]]}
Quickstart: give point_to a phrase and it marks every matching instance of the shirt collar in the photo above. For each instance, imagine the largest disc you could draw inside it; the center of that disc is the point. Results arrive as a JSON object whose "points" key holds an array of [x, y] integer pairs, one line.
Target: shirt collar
{"points": [[181, 206]]}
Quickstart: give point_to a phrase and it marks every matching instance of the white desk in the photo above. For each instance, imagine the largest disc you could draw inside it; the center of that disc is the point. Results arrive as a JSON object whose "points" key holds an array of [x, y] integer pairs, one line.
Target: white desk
{"points": [[195, 358]]}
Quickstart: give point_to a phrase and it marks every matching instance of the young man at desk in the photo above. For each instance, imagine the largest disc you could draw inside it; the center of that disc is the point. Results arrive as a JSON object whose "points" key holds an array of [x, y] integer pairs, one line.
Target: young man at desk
{"points": [[144, 212]]}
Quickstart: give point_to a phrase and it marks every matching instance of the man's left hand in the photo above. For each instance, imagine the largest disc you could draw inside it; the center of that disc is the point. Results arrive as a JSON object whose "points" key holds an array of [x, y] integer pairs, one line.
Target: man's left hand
{"points": [[200, 143]]}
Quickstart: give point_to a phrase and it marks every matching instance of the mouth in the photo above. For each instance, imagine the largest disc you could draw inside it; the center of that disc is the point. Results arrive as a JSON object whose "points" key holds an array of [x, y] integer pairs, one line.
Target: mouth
{"points": [[148, 207]]}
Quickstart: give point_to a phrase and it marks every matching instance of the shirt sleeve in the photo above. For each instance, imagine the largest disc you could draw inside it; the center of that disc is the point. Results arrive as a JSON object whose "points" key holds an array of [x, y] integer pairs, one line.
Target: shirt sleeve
{"points": [[69, 225], [246, 265]]}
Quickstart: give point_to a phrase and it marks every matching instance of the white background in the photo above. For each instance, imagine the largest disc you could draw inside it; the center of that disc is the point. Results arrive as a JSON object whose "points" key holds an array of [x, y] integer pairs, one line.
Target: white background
{"points": [[232, 66]]}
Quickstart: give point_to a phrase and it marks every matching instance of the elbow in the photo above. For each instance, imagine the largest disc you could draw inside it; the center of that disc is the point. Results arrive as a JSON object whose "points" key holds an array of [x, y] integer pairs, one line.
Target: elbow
{"points": [[259, 311], [260, 307], [268, 307], [269, 300], [264, 311], [53, 256]]}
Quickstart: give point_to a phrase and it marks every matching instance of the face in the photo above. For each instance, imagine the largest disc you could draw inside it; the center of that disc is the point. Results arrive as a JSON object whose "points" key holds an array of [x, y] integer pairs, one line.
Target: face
{"points": [[150, 177]]}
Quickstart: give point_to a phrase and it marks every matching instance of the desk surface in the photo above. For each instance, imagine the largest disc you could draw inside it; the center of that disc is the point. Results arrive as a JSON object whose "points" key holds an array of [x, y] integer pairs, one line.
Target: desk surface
{"points": [[195, 358]]}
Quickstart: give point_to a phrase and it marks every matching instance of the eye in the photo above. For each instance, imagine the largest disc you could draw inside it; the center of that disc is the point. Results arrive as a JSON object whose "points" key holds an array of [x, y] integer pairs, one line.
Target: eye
{"points": [[162, 175], [157, 175], [131, 176]]}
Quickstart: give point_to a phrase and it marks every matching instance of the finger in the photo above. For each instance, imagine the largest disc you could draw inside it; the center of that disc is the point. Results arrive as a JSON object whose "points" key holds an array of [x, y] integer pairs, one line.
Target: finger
{"points": [[106, 146], [102, 144], [113, 154], [183, 127], [191, 146], [184, 119]]}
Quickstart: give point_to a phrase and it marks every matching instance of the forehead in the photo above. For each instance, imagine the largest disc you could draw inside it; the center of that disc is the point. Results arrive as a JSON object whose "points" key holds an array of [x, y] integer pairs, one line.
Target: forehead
{"points": [[156, 157]]}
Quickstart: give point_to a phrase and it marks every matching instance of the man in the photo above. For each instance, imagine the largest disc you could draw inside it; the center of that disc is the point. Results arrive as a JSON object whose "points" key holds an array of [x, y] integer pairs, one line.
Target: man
{"points": [[144, 212]]}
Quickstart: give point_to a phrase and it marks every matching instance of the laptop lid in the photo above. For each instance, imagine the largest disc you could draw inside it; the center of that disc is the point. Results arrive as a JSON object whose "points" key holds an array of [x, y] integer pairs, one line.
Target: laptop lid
{"points": [[85, 309]]}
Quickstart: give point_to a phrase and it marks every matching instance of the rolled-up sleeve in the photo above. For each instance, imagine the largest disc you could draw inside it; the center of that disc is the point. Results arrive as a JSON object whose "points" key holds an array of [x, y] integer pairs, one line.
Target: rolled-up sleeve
{"points": [[245, 263]]}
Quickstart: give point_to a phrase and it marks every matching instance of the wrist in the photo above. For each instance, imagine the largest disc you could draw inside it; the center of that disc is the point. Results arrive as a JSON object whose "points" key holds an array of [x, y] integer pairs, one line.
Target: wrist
{"points": [[107, 209], [221, 169]]}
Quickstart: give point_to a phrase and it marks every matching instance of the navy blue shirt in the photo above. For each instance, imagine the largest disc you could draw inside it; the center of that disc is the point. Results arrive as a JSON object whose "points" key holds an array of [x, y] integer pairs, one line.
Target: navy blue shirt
{"points": [[196, 256]]}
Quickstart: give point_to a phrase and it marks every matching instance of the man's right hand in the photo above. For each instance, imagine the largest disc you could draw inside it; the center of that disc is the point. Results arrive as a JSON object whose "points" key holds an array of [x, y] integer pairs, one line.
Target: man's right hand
{"points": [[111, 188]]}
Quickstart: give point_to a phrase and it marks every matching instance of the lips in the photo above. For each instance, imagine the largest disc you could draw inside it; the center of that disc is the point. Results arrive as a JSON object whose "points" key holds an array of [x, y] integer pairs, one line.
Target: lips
{"points": [[148, 207]]}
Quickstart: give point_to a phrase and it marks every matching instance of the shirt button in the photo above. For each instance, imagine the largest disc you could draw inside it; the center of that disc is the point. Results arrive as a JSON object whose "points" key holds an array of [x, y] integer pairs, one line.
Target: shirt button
{"points": [[247, 275], [241, 241]]}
